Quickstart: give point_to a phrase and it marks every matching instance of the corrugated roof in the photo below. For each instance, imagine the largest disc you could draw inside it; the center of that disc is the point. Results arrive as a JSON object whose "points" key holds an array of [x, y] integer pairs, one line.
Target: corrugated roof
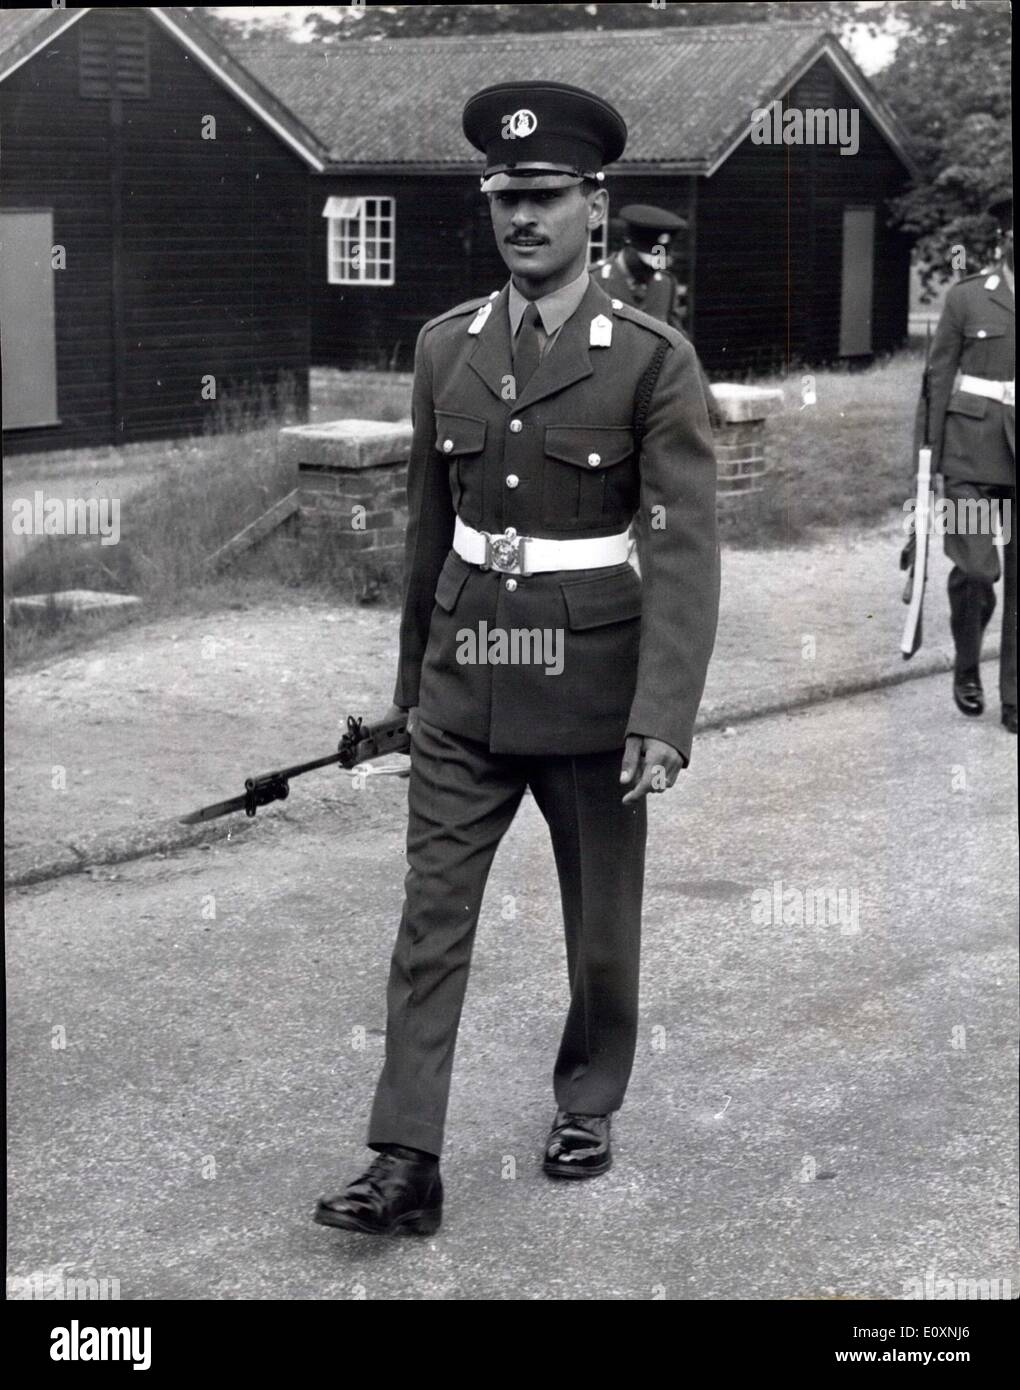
{"points": [[686, 93]]}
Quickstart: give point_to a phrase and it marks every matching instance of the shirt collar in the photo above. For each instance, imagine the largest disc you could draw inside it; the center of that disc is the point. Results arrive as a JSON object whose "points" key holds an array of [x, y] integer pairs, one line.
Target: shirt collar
{"points": [[553, 309]]}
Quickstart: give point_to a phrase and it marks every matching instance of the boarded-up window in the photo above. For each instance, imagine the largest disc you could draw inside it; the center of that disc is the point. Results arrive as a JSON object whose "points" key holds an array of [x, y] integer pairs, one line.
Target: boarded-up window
{"points": [[360, 242], [113, 55], [858, 282], [27, 339]]}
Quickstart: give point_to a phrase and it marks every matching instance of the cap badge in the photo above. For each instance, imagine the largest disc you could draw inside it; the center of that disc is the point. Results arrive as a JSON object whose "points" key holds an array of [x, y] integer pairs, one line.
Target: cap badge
{"points": [[601, 332], [519, 125], [479, 320]]}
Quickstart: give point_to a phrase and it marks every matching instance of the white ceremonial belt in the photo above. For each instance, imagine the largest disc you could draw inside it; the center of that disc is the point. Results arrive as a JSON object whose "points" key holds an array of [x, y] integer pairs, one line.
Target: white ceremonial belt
{"points": [[1004, 391], [510, 553]]}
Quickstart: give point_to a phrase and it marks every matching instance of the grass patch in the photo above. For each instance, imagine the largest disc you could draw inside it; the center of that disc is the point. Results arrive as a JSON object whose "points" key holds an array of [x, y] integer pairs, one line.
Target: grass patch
{"points": [[337, 395], [180, 501], [844, 462]]}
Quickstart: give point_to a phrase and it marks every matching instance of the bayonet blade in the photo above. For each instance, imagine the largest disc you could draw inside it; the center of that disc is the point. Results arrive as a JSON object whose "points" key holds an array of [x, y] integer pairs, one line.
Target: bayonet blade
{"points": [[221, 808]]}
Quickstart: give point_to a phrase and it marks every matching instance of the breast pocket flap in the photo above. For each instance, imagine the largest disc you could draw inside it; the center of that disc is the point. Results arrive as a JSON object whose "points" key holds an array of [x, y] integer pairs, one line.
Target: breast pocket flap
{"points": [[459, 434], [598, 602], [589, 448]]}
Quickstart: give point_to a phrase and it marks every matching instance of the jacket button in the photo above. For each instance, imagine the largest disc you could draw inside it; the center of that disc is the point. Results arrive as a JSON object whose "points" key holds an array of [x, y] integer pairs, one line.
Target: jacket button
{"points": [[982, 333], [447, 446], [512, 480], [511, 585], [515, 426], [594, 460]]}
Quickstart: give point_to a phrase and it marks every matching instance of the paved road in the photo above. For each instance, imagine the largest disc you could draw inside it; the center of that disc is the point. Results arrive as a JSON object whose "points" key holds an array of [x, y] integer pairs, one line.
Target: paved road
{"points": [[818, 1107]]}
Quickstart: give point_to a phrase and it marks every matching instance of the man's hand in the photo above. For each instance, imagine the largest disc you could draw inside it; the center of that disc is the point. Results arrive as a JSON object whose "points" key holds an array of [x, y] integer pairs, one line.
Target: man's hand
{"points": [[649, 765], [395, 712]]}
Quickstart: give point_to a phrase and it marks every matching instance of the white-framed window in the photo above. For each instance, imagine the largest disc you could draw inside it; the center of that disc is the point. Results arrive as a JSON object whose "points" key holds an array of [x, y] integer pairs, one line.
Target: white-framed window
{"points": [[598, 241], [360, 240]]}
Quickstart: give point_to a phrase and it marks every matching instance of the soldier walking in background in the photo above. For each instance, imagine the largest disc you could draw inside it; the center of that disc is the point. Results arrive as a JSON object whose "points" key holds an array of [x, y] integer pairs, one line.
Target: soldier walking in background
{"points": [[972, 435], [544, 417]]}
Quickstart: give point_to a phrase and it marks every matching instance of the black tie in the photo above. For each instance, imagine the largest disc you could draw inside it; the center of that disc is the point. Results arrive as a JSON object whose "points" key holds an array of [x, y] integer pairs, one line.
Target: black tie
{"points": [[528, 352]]}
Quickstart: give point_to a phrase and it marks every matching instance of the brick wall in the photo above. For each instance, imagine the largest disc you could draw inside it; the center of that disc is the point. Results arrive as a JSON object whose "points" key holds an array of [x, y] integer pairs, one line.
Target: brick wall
{"points": [[352, 477]]}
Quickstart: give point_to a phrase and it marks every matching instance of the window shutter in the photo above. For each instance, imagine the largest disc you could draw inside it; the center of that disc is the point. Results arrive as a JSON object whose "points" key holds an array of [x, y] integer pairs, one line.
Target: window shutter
{"points": [[113, 56], [342, 207], [131, 49], [93, 57]]}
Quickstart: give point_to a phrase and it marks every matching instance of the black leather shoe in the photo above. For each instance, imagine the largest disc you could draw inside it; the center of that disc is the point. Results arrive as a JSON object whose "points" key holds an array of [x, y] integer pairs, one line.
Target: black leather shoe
{"points": [[578, 1146], [968, 694], [1009, 718], [395, 1196]]}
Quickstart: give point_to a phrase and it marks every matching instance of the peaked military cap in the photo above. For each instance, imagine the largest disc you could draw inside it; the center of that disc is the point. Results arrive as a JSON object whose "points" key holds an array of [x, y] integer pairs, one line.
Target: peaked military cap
{"points": [[648, 226], [542, 134]]}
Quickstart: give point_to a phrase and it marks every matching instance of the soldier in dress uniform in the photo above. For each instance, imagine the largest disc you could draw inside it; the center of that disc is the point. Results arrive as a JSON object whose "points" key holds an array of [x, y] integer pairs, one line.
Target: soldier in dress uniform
{"points": [[545, 415], [639, 273], [972, 415]]}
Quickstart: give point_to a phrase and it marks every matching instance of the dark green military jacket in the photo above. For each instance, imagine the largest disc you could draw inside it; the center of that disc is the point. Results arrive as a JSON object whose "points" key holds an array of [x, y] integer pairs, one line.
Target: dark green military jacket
{"points": [[972, 436], [560, 462]]}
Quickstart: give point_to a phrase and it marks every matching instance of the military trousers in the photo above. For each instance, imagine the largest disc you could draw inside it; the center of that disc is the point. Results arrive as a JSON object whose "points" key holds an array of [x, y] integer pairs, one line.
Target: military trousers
{"points": [[970, 546], [462, 799]]}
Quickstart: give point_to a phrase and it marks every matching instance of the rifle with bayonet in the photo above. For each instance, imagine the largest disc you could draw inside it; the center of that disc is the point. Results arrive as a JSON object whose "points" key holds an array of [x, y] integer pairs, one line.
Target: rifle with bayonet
{"points": [[914, 557], [359, 743]]}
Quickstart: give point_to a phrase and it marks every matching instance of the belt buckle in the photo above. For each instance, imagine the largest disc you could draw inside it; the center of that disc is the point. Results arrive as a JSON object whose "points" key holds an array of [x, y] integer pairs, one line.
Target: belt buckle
{"points": [[1009, 393], [504, 553]]}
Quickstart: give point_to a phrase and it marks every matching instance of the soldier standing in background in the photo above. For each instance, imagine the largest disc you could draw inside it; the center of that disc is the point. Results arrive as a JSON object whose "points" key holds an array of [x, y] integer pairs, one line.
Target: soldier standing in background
{"points": [[544, 416], [972, 435], [639, 273]]}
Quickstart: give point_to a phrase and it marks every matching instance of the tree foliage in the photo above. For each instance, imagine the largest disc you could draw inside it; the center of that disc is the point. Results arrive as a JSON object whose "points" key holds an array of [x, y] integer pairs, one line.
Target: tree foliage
{"points": [[343, 23], [949, 84]]}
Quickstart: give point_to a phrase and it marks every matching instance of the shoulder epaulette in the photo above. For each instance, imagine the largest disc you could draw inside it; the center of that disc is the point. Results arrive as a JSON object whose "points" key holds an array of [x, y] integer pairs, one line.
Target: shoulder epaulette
{"points": [[638, 316], [981, 275], [469, 306]]}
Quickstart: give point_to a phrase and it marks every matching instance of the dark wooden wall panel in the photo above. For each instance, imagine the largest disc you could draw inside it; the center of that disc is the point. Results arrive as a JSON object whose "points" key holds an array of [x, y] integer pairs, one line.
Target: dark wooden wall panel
{"points": [[55, 155], [214, 245], [770, 230]]}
